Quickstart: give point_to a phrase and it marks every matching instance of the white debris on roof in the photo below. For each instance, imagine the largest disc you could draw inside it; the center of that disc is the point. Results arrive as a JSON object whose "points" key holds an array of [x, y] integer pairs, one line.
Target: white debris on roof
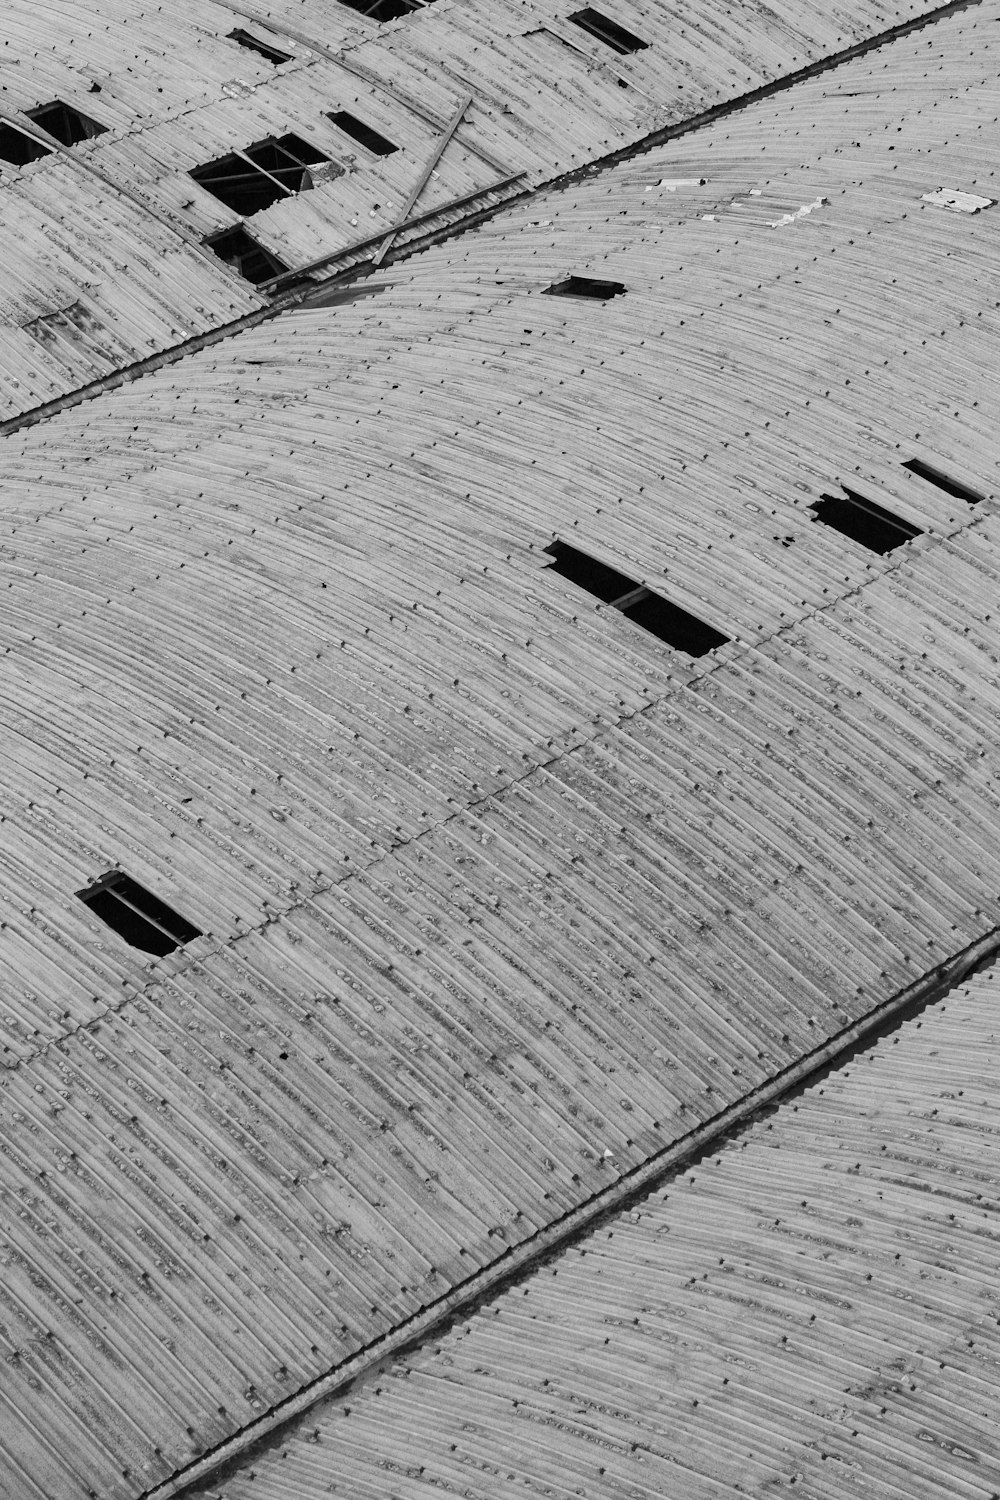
{"points": [[960, 202], [800, 213]]}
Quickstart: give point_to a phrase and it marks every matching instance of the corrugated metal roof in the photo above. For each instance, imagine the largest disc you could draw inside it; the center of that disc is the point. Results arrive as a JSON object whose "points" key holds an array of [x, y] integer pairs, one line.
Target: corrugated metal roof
{"points": [[814, 1306], [111, 228], [522, 893]]}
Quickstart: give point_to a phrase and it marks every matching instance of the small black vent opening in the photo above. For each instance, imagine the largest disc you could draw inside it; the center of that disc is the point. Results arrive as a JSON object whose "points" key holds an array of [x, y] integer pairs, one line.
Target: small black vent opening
{"points": [[668, 622], [251, 180], [251, 260], [251, 43], [607, 31], [364, 134], [864, 521], [68, 125], [138, 916], [943, 481], [18, 148], [586, 286]]}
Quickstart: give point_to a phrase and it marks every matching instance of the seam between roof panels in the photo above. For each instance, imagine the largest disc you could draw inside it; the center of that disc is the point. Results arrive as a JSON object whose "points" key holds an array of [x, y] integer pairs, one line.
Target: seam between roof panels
{"points": [[523, 1259], [650, 142], [137, 990]]}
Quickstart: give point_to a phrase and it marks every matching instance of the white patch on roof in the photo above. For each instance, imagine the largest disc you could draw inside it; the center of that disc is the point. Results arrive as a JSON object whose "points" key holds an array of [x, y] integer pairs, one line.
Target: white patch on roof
{"points": [[800, 213], [963, 203]]}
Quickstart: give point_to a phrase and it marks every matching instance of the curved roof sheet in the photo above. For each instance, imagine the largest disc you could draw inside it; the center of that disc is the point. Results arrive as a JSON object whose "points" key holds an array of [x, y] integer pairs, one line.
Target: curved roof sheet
{"points": [[500, 895], [814, 1306], [104, 261]]}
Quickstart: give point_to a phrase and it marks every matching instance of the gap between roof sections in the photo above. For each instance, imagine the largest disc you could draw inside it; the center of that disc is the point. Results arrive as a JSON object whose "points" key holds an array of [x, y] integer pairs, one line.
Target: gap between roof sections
{"points": [[523, 1260], [183, 961], [301, 295]]}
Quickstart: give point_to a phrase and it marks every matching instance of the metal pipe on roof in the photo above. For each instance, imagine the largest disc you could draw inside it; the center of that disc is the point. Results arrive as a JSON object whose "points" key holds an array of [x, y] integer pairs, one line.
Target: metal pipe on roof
{"points": [[277, 282], [432, 162]]}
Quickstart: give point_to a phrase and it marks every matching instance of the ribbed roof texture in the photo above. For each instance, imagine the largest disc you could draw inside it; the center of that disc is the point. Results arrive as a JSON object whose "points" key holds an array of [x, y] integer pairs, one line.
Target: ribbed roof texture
{"points": [[500, 895], [103, 254], [814, 1308]]}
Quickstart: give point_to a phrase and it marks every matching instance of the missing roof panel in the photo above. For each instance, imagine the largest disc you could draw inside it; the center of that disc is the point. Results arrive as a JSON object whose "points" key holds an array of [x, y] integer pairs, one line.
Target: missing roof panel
{"points": [[251, 180], [67, 124], [864, 521], [943, 481], [385, 10], [586, 286], [138, 916], [251, 43], [607, 31], [362, 133], [668, 622], [251, 260], [18, 148]]}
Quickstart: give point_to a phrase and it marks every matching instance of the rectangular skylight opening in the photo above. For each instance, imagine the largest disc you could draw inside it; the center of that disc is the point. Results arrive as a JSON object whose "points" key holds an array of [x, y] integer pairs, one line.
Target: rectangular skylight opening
{"points": [[67, 124], [141, 918], [272, 54], [18, 148], [668, 622], [943, 481], [604, 582], [586, 286], [365, 136], [251, 180], [243, 253], [385, 10], [864, 521], [607, 31]]}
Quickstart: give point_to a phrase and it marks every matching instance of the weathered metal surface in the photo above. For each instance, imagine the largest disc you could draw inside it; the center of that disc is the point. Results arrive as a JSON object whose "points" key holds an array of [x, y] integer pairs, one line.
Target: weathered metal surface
{"points": [[115, 224], [520, 893], [814, 1306]]}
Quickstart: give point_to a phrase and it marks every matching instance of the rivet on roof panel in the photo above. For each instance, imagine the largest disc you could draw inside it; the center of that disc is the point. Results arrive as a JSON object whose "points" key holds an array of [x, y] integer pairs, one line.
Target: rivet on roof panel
{"points": [[138, 916]]}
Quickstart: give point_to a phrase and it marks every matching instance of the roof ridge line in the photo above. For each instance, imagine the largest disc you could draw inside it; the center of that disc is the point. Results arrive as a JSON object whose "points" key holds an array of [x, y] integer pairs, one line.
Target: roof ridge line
{"points": [[555, 1238]]}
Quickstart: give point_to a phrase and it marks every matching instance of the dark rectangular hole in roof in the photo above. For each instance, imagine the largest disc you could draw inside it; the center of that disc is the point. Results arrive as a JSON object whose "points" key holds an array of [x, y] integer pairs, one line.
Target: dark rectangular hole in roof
{"points": [[385, 10], [864, 521], [668, 622], [68, 125], [264, 48], [607, 31], [362, 133], [18, 148], [596, 577], [943, 481], [138, 916], [265, 172], [586, 286], [251, 260]]}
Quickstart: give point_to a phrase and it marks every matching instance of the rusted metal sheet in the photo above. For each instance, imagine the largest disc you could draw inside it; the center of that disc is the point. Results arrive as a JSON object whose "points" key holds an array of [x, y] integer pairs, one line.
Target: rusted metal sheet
{"points": [[117, 224], [812, 1305], [499, 895]]}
